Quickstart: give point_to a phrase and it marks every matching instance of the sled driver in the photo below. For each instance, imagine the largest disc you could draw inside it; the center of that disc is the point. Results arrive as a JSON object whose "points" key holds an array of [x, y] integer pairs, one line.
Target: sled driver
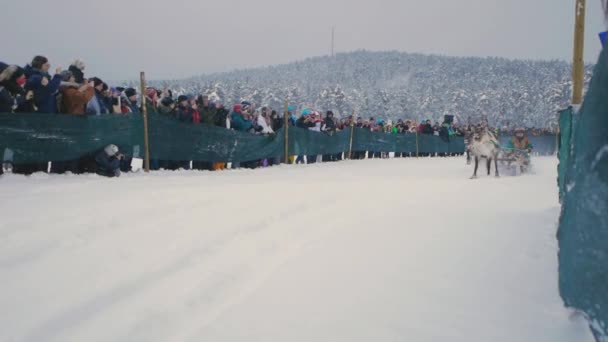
{"points": [[520, 147], [520, 141]]}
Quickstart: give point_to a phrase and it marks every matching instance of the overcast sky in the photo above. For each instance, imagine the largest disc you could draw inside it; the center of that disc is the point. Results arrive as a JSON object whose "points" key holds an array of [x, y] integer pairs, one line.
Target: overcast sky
{"points": [[180, 38]]}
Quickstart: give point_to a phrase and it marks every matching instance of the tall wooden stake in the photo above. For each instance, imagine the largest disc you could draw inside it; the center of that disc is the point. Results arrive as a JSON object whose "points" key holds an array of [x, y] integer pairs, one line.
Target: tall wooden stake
{"points": [[144, 111], [578, 66], [416, 142], [352, 132], [332, 40], [286, 122]]}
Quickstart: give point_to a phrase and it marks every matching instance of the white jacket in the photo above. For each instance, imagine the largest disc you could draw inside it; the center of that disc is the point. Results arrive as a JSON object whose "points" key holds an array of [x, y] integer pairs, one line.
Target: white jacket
{"points": [[265, 128]]}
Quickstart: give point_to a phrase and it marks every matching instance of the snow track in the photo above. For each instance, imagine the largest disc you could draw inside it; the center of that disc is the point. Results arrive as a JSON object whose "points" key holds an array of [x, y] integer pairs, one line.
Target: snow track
{"points": [[377, 250]]}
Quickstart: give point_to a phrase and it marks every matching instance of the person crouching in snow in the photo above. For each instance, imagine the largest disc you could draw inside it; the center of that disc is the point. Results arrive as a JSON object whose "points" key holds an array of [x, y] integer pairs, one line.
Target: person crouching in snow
{"points": [[108, 161]]}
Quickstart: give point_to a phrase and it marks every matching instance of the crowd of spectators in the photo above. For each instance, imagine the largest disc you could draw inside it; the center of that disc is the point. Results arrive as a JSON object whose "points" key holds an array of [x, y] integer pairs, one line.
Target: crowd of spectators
{"points": [[32, 89]]}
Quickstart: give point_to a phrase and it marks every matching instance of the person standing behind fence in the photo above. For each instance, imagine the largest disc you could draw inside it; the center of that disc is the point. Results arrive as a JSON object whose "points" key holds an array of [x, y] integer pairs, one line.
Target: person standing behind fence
{"points": [[42, 84], [97, 105], [129, 101], [238, 121], [12, 80], [151, 100], [75, 92], [329, 126]]}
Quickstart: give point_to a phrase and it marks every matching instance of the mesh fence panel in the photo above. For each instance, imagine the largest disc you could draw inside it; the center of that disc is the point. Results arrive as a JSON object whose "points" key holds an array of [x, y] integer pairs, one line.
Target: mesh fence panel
{"points": [[32, 138], [583, 227]]}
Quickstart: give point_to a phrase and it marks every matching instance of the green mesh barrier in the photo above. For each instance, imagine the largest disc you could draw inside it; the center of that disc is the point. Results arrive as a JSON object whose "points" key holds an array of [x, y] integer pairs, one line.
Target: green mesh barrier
{"points": [[583, 226], [174, 140], [565, 125], [32, 138]]}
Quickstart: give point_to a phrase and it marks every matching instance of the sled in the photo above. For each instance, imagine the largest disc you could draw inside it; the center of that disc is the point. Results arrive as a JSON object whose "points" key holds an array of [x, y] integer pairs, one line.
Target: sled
{"points": [[514, 161]]}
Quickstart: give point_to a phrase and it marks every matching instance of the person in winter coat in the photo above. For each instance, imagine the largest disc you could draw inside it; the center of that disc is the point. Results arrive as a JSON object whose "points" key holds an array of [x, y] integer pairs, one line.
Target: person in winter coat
{"points": [[520, 141], [74, 94], [184, 112], [97, 105], [151, 100], [222, 117], [427, 128], [329, 124], [129, 101], [108, 161], [262, 122], [26, 104], [12, 80], [237, 121], [277, 122], [42, 84], [167, 107], [304, 122], [207, 112]]}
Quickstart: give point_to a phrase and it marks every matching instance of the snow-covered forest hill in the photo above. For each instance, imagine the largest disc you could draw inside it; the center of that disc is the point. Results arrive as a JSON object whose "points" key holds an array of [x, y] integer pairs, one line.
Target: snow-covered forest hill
{"points": [[393, 85]]}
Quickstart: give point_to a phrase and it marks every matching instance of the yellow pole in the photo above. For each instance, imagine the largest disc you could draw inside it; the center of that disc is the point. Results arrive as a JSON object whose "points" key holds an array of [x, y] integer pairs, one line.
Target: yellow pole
{"points": [[286, 122], [578, 66], [144, 111]]}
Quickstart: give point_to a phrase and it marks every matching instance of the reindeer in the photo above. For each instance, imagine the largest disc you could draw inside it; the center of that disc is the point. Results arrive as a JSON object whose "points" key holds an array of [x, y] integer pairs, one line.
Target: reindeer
{"points": [[484, 144]]}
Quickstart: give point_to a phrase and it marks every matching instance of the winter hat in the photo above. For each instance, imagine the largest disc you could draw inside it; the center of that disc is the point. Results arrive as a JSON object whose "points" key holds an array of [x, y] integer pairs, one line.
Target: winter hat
{"points": [[11, 72], [166, 101], [130, 92], [237, 108], [96, 81], [77, 69], [291, 108], [182, 98], [306, 112], [329, 112], [245, 105], [111, 150]]}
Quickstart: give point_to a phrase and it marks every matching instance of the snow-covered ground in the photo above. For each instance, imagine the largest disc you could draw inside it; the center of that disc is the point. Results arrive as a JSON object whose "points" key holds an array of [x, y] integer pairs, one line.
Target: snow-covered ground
{"points": [[377, 250]]}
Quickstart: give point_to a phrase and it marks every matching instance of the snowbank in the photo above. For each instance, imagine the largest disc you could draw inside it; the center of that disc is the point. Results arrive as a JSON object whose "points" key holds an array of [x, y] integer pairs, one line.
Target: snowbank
{"points": [[381, 250]]}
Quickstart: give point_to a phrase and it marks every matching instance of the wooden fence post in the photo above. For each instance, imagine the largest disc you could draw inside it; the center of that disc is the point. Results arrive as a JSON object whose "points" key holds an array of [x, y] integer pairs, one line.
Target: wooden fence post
{"points": [[286, 122], [352, 132], [144, 111], [416, 142]]}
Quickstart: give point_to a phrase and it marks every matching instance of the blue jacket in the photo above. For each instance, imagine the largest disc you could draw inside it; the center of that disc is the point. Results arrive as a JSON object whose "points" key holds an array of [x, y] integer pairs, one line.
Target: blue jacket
{"points": [[97, 105], [184, 114], [44, 96], [239, 123], [106, 165]]}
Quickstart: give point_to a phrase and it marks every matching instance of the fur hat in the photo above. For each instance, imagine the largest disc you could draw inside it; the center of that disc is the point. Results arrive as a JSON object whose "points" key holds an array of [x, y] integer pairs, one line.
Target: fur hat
{"points": [[166, 101], [78, 64], [77, 70], [11, 72]]}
